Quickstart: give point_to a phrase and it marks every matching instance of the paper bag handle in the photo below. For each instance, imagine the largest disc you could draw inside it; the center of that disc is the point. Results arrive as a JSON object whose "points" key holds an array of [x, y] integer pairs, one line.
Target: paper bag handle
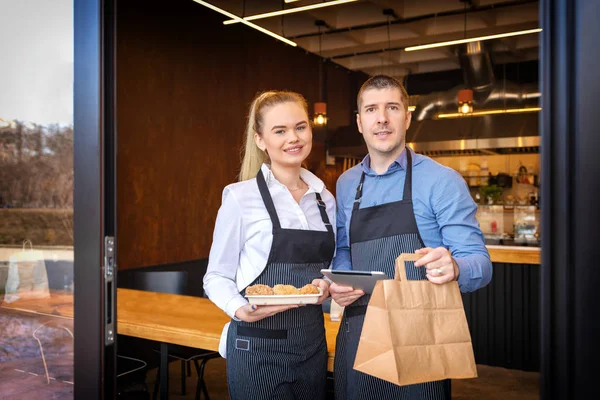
{"points": [[401, 267], [30, 244]]}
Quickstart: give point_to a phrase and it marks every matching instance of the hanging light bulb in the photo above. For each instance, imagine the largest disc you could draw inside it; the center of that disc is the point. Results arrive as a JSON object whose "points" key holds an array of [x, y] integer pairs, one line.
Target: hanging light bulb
{"points": [[320, 118], [320, 110], [465, 101], [465, 96]]}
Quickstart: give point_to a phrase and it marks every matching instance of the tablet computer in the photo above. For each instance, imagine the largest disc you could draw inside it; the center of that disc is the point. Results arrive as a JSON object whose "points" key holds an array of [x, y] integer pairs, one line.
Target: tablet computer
{"points": [[364, 280]]}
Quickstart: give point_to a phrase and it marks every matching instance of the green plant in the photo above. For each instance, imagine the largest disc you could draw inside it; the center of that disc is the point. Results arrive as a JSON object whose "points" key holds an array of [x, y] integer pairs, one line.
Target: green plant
{"points": [[491, 191]]}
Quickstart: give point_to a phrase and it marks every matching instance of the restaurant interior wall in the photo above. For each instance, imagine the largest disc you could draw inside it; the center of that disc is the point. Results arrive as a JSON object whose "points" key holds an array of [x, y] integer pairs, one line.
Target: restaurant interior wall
{"points": [[185, 82]]}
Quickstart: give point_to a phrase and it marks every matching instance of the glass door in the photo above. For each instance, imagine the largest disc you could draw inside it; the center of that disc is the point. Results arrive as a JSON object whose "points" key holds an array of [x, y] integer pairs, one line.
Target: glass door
{"points": [[56, 202]]}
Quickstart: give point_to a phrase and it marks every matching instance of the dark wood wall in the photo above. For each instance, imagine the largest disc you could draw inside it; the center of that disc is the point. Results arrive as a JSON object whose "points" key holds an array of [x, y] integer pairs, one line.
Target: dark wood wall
{"points": [[184, 84]]}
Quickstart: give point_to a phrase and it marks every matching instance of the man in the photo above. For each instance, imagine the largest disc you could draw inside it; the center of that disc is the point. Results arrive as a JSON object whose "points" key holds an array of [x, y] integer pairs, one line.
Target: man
{"points": [[396, 201]]}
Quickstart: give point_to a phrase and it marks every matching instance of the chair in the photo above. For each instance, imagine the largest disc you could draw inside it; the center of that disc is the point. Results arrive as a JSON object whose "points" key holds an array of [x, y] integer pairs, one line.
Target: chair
{"points": [[186, 355], [175, 282]]}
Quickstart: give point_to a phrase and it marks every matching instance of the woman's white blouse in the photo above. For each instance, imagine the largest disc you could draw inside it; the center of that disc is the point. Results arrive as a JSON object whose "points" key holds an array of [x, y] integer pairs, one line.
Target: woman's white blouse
{"points": [[244, 233]]}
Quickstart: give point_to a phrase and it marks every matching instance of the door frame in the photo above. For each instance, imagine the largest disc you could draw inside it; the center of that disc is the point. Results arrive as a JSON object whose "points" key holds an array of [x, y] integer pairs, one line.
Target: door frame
{"points": [[570, 186], [94, 209], [569, 83]]}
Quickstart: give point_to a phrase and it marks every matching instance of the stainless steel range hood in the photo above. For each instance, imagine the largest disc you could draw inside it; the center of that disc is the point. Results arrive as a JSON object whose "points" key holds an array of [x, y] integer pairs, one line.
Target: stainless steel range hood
{"points": [[489, 134], [485, 135], [474, 147]]}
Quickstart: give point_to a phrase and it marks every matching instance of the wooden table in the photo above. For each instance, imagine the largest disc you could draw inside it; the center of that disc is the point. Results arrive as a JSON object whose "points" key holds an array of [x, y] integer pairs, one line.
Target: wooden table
{"points": [[165, 318], [184, 320]]}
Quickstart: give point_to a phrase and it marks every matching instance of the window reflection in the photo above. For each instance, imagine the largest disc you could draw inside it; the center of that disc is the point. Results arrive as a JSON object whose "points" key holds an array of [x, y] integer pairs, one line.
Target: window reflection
{"points": [[36, 199]]}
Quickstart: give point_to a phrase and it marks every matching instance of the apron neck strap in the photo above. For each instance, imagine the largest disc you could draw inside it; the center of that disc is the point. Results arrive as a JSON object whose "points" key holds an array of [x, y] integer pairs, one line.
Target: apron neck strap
{"points": [[407, 194], [323, 211], [359, 192], [267, 199]]}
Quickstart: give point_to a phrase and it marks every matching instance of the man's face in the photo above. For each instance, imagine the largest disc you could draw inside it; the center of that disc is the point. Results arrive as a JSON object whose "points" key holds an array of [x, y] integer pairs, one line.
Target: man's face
{"points": [[383, 121]]}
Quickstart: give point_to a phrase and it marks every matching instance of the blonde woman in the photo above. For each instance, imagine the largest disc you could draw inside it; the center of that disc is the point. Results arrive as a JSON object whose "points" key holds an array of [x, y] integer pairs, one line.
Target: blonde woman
{"points": [[273, 227]]}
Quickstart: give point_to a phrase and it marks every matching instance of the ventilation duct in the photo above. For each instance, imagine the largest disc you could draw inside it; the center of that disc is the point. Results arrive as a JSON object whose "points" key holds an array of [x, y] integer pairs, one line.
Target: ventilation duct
{"points": [[479, 76], [507, 95], [477, 67], [490, 134]]}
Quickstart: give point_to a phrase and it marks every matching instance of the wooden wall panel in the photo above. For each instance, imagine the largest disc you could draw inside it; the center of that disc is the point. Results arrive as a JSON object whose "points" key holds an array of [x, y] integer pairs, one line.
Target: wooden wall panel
{"points": [[184, 84]]}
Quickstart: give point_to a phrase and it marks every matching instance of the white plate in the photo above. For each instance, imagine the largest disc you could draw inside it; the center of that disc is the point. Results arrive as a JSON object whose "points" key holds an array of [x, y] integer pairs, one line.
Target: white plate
{"points": [[284, 299]]}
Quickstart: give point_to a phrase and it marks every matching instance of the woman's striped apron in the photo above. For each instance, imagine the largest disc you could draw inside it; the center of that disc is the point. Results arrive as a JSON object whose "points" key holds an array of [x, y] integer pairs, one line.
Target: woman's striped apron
{"points": [[377, 237], [284, 356]]}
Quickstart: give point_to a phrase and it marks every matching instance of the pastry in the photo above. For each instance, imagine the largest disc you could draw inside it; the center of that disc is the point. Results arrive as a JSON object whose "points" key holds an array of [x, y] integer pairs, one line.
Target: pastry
{"points": [[285, 289], [259, 290], [309, 289]]}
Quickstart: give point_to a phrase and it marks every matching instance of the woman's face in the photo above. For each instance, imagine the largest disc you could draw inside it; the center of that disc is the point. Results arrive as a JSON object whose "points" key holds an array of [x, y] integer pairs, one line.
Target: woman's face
{"points": [[286, 134]]}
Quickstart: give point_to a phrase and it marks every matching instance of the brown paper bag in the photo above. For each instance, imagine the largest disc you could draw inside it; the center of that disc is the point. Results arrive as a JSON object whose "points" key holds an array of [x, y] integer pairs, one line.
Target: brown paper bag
{"points": [[415, 331]]}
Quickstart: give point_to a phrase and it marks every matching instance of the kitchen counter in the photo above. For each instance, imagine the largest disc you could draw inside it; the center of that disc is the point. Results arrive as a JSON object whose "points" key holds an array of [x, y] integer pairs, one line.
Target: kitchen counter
{"points": [[515, 254]]}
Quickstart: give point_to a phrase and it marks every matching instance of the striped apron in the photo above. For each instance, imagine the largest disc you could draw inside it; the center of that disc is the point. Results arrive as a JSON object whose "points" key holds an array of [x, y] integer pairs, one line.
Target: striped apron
{"points": [[284, 356], [378, 235]]}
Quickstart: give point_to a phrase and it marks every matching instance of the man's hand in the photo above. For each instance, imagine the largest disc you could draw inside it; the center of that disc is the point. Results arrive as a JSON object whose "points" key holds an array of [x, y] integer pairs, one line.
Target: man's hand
{"points": [[441, 267], [324, 285], [253, 313], [344, 295]]}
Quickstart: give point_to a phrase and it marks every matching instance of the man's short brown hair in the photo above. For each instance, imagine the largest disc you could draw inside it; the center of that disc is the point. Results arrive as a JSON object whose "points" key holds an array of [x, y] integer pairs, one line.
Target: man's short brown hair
{"points": [[383, 82]]}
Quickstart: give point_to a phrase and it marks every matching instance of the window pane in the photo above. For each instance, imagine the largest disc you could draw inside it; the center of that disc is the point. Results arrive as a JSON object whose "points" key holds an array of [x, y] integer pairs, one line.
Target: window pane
{"points": [[36, 199]]}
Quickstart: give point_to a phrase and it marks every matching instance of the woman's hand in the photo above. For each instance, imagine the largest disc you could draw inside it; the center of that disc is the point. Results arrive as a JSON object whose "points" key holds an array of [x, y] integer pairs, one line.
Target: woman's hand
{"points": [[253, 313], [344, 295], [324, 285]]}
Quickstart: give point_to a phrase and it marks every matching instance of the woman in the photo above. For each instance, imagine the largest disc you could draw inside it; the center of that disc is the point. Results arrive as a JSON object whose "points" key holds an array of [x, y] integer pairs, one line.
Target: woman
{"points": [[273, 227]]}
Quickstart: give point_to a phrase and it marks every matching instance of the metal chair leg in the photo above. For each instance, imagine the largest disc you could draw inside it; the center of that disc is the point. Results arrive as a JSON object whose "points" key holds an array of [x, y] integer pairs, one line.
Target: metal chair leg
{"points": [[183, 377], [201, 378], [201, 385], [198, 384], [156, 384]]}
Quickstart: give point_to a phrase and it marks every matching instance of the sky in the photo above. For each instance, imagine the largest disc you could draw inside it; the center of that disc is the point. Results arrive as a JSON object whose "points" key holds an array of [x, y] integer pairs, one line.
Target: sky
{"points": [[36, 61]]}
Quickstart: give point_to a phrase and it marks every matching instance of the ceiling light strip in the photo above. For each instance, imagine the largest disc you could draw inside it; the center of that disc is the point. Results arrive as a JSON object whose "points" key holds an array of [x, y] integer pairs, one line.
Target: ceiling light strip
{"points": [[475, 39], [288, 11], [490, 112], [250, 24]]}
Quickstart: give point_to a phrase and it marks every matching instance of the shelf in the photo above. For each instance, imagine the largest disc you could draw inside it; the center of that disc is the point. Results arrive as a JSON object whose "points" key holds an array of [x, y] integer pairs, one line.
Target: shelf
{"points": [[494, 177], [512, 210]]}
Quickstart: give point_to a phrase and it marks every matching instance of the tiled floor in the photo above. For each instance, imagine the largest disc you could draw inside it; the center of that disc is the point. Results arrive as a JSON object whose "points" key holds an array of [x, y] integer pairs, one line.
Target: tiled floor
{"points": [[20, 385], [493, 383], [24, 373]]}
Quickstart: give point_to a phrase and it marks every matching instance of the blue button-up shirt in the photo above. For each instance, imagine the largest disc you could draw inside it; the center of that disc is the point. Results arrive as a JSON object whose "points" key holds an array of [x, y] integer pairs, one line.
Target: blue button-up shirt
{"points": [[443, 208]]}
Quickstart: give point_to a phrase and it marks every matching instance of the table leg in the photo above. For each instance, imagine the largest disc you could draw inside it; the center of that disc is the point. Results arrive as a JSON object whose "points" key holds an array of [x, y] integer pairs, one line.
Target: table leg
{"points": [[164, 371]]}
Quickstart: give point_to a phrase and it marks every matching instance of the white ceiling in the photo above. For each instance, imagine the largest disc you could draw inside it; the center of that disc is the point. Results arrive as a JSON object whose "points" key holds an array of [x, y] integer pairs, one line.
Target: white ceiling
{"points": [[356, 34]]}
